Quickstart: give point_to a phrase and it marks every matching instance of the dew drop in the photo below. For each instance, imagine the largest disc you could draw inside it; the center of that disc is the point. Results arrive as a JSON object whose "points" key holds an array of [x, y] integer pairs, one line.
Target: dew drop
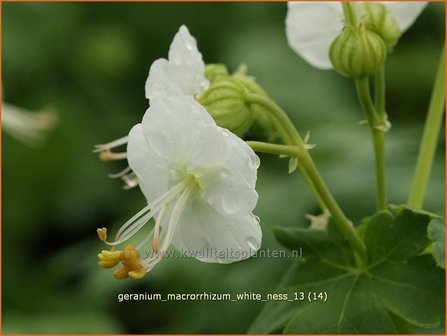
{"points": [[254, 162], [252, 243], [225, 132], [224, 173], [229, 205]]}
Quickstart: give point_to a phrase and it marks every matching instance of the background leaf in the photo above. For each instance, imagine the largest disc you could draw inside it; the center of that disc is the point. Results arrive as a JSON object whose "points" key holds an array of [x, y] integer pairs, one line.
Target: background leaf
{"points": [[397, 285]]}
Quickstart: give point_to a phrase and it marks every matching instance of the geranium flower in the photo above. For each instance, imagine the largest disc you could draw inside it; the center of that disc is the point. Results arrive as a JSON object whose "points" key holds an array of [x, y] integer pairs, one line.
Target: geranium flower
{"points": [[199, 182], [311, 27]]}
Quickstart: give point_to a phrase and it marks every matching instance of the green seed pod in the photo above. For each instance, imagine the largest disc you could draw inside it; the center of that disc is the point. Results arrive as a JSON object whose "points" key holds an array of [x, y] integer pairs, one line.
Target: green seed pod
{"points": [[357, 52], [378, 19], [225, 101]]}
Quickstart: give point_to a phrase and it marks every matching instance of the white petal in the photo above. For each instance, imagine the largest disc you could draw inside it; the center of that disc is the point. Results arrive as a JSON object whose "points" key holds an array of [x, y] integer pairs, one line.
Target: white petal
{"points": [[311, 27], [182, 132], [211, 237], [183, 74], [183, 49], [159, 84], [230, 189], [151, 170], [243, 159], [405, 13]]}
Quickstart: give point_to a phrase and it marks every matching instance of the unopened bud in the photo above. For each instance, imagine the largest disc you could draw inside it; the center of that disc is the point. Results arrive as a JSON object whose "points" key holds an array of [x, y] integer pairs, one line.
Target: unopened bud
{"points": [[357, 52], [379, 20], [225, 101], [214, 72]]}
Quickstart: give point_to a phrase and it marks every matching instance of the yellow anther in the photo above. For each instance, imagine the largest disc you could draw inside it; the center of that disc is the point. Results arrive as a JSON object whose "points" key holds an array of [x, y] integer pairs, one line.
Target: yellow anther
{"points": [[102, 233], [108, 264], [131, 262], [130, 258], [137, 274], [107, 255], [121, 273], [109, 259]]}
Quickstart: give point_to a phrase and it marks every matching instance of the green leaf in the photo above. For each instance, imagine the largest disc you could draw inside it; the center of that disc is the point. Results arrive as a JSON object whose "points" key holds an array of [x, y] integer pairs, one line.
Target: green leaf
{"points": [[304, 276], [414, 291], [352, 309], [399, 287], [327, 244], [396, 235], [436, 233], [351, 306]]}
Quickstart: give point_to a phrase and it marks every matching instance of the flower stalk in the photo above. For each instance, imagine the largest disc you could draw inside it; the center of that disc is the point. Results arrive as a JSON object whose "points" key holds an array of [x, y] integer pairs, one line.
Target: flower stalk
{"points": [[429, 137], [378, 124], [350, 13], [269, 148], [311, 172]]}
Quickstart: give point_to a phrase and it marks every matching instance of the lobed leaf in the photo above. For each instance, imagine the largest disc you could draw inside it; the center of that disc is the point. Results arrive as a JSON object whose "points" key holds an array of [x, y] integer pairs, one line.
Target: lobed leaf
{"points": [[399, 286]]}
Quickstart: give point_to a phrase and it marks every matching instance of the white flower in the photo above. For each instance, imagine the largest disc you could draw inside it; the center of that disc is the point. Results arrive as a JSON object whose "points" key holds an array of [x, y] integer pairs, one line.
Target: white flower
{"points": [[27, 127], [199, 182], [182, 74], [311, 27]]}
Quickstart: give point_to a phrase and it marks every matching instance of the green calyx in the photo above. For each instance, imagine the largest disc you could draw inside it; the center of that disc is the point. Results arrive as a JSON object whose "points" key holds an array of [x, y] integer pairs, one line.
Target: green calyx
{"points": [[358, 52], [377, 19]]}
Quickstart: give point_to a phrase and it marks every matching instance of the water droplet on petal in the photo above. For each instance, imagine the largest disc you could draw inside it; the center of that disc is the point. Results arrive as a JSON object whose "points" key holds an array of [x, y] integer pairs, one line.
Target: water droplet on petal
{"points": [[254, 161], [252, 244], [225, 132], [224, 173], [229, 205]]}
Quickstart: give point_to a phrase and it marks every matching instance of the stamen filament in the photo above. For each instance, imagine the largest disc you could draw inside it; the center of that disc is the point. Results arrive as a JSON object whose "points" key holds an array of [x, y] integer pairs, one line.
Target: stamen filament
{"points": [[110, 145], [121, 173], [146, 239], [155, 206], [134, 224], [132, 220], [172, 225], [155, 245]]}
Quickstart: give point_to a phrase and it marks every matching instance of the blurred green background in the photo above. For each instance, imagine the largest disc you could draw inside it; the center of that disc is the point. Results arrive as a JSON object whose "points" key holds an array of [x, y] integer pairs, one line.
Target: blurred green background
{"points": [[89, 62]]}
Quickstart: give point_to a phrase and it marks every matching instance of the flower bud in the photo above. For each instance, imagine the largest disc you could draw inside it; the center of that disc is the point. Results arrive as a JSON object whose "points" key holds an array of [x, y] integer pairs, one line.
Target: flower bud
{"points": [[214, 72], [357, 52], [380, 21], [225, 101]]}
